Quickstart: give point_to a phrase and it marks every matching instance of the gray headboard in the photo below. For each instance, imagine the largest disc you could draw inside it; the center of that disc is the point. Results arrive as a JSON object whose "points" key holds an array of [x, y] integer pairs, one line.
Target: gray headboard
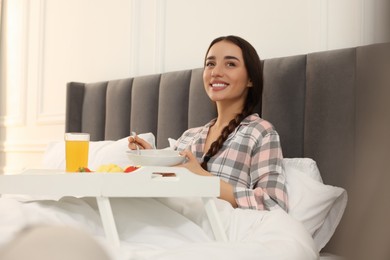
{"points": [[316, 101], [310, 99]]}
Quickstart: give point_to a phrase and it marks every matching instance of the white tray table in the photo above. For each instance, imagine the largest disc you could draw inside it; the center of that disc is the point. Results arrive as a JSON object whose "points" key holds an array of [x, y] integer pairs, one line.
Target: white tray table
{"points": [[144, 182]]}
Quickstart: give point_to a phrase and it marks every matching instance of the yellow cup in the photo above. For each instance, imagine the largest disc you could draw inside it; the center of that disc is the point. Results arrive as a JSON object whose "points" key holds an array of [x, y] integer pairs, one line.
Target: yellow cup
{"points": [[76, 150]]}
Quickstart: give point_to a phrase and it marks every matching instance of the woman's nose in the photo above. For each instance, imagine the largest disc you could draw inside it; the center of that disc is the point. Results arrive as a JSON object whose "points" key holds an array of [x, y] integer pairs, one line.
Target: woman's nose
{"points": [[216, 72]]}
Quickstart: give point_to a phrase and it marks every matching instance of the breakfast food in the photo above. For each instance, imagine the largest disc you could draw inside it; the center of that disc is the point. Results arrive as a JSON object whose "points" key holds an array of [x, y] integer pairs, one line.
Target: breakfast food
{"points": [[109, 168], [131, 169], [84, 169]]}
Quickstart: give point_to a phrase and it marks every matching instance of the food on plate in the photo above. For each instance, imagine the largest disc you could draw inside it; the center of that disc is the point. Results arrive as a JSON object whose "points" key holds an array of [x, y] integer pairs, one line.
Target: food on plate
{"points": [[131, 169], [84, 169], [109, 168]]}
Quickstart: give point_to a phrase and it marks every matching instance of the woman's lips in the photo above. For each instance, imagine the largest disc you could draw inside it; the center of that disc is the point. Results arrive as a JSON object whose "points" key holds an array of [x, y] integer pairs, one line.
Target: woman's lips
{"points": [[218, 86]]}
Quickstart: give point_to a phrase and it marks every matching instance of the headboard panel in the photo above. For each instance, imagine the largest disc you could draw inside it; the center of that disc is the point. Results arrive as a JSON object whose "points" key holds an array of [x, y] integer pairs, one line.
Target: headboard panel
{"points": [[330, 113], [284, 100], [118, 116], [74, 105], [144, 105], [173, 106], [95, 124]]}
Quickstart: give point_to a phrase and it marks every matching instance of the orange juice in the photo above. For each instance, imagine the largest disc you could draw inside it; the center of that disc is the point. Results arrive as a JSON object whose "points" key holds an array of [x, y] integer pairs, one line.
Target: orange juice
{"points": [[76, 147]]}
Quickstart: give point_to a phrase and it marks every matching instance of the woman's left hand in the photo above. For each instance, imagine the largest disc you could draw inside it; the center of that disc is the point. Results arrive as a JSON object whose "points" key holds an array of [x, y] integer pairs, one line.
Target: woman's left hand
{"points": [[192, 164]]}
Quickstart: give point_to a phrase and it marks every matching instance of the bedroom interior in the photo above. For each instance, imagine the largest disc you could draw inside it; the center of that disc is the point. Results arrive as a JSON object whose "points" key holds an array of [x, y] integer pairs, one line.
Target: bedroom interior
{"points": [[333, 110], [153, 43]]}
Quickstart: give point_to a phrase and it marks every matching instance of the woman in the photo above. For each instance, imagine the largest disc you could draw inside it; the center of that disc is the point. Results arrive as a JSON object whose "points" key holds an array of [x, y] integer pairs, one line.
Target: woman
{"points": [[238, 146]]}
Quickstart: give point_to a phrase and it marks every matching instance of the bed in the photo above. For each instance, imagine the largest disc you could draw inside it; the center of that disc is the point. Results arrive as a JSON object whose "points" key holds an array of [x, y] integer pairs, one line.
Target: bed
{"points": [[313, 100]]}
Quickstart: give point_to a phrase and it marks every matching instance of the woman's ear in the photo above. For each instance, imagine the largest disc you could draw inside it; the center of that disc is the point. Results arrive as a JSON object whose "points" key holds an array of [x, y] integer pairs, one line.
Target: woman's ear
{"points": [[250, 84]]}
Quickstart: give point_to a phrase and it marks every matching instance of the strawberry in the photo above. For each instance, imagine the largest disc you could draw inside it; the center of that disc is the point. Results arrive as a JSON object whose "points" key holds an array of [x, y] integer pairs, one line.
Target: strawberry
{"points": [[84, 169], [131, 168]]}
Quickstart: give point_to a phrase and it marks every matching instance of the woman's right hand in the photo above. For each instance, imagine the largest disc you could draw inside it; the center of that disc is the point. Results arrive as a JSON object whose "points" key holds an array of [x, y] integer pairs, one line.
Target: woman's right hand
{"points": [[135, 141]]}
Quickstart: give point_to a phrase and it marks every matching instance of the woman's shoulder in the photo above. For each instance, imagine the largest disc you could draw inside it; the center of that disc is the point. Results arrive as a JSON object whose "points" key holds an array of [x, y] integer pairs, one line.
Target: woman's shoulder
{"points": [[255, 123]]}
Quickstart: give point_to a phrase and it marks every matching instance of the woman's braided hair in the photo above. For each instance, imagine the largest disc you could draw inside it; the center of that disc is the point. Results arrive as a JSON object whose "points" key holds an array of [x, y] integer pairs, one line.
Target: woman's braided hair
{"points": [[253, 99]]}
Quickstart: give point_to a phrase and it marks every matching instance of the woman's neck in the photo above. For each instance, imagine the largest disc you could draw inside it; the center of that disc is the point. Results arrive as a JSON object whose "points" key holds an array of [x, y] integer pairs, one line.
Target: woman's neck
{"points": [[226, 112]]}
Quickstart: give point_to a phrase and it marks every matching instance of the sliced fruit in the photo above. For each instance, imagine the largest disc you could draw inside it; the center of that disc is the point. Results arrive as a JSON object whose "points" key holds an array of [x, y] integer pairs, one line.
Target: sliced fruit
{"points": [[109, 168], [84, 169], [131, 168]]}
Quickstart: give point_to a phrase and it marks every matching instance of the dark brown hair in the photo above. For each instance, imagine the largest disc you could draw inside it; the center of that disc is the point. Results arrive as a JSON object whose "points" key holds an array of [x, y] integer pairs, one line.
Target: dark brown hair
{"points": [[253, 99]]}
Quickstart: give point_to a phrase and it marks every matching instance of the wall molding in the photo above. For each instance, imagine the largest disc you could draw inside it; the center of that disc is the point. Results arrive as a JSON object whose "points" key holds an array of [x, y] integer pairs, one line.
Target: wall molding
{"points": [[160, 31], [19, 118], [13, 120], [135, 37], [42, 117], [23, 147]]}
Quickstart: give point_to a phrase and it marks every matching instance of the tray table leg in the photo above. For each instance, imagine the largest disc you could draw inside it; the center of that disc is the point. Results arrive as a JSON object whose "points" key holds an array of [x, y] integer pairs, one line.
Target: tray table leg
{"points": [[215, 220], [108, 220]]}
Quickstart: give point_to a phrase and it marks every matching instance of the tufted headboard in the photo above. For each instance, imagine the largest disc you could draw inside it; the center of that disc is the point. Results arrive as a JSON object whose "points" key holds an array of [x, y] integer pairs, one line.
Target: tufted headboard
{"points": [[316, 101]]}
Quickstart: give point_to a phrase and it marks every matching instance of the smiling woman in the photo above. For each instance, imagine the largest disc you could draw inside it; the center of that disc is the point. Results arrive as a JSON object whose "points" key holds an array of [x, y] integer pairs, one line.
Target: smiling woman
{"points": [[238, 146], [225, 60]]}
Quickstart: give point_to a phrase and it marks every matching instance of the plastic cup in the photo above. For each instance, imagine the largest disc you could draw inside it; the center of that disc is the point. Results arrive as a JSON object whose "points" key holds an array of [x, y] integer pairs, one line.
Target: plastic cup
{"points": [[76, 151]]}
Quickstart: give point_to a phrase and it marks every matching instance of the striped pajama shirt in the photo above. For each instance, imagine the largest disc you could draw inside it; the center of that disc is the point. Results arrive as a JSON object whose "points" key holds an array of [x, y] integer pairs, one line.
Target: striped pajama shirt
{"points": [[250, 160]]}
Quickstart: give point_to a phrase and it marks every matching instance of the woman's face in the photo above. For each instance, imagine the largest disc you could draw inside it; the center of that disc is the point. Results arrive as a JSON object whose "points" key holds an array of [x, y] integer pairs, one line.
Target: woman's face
{"points": [[225, 76]]}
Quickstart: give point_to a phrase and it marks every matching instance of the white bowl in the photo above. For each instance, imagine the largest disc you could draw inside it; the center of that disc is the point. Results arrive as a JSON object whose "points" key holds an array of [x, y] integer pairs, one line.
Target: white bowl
{"points": [[155, 157]]}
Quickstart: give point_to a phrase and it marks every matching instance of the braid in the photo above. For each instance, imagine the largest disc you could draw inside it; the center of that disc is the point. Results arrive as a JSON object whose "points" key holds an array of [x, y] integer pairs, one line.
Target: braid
{"points": [[226, 131]]}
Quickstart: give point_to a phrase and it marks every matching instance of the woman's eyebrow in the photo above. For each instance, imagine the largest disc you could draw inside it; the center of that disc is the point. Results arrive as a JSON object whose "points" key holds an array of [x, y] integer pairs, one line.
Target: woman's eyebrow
{"points": [[231, 58], [226, 58], [210, 58]]}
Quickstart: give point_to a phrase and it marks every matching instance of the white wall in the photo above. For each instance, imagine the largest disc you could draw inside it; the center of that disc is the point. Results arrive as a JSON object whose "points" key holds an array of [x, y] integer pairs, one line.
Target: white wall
{"points": [[47, 43]]}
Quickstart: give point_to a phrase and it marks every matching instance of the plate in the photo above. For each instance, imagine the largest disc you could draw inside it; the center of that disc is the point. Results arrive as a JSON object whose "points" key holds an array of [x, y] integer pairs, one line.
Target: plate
{"points": [[155, 157]]}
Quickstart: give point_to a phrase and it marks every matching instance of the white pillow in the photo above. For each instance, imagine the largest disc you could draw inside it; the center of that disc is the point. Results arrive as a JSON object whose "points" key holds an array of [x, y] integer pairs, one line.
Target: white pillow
{"points": [[100, 152], [318, 206], [306, 165]]}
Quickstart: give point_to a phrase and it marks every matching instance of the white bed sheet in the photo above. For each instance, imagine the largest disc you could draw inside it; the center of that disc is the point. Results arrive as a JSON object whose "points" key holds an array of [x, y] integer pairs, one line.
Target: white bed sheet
{"points": [[175, 228]]}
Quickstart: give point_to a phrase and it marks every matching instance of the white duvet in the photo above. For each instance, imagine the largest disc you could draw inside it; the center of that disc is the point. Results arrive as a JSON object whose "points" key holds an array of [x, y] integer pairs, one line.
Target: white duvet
{"points": [[175, 228]]}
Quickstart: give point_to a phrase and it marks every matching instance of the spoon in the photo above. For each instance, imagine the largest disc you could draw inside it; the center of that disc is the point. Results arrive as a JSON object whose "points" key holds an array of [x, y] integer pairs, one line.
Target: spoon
{"points": [[136, 145]]}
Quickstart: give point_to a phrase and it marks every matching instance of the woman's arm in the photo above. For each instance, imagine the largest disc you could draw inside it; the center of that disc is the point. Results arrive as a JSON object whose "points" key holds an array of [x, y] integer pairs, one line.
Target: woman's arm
{"points": [[192, 164], [268, 189]]}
